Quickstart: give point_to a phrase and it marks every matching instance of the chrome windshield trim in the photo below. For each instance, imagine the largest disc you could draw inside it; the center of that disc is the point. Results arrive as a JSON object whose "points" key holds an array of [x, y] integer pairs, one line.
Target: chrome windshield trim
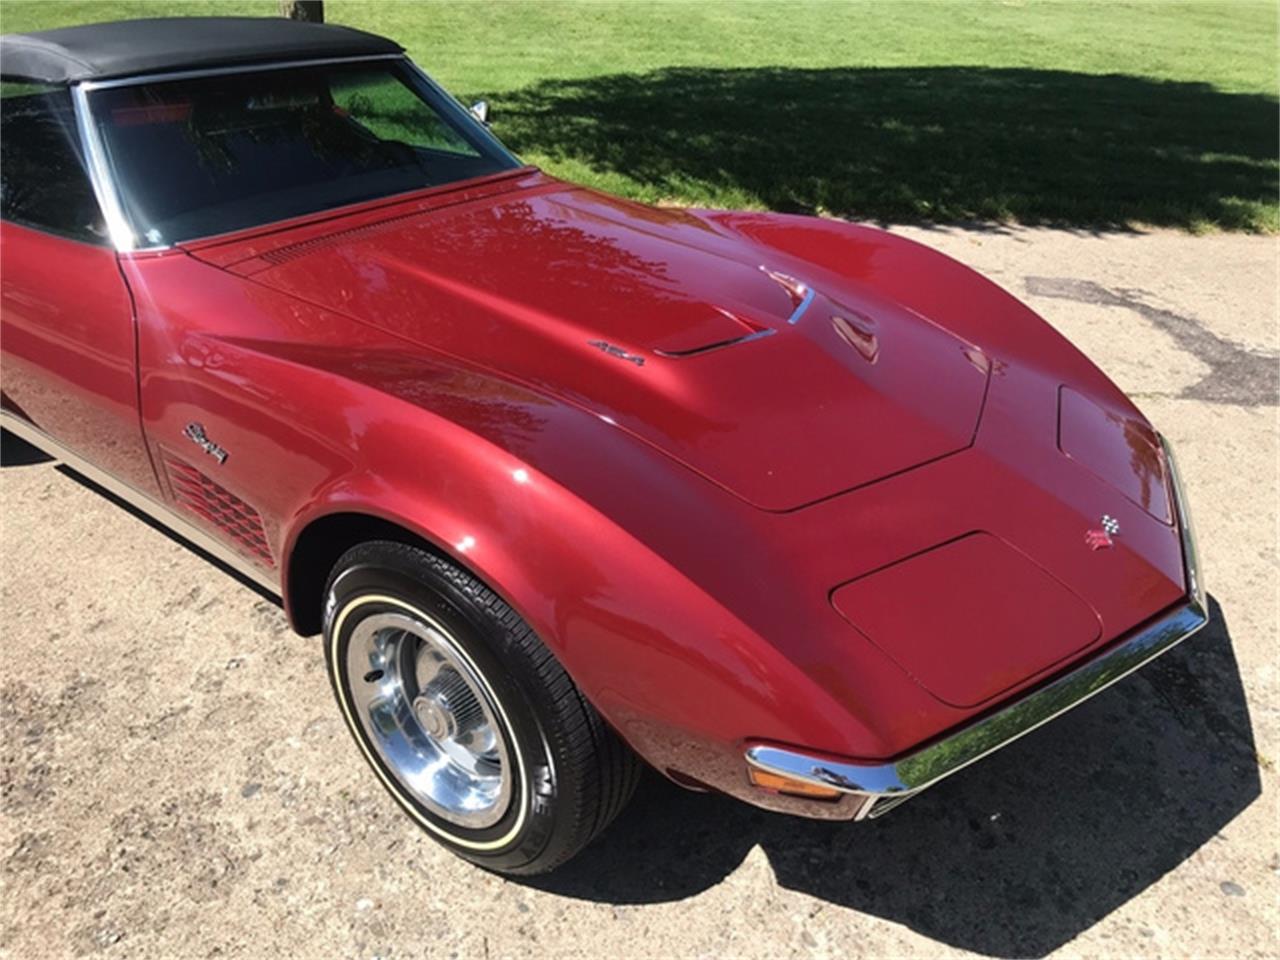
{"points": [[161, 513], [194, 74], [908, 775], [104, 189], [464, 112]]}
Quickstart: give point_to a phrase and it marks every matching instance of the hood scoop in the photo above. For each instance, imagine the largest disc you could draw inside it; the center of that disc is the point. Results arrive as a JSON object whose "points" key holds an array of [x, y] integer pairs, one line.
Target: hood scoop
{"points": [[750, 331], [801, 295]]}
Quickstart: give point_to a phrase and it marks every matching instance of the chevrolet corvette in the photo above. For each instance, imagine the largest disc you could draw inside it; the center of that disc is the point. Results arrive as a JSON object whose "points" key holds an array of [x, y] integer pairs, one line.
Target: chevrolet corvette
{"points": [[789, 509]]}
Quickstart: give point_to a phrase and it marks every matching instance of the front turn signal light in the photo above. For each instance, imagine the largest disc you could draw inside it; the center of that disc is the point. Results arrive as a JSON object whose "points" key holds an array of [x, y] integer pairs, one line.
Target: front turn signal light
{"points": [[791, 786]]}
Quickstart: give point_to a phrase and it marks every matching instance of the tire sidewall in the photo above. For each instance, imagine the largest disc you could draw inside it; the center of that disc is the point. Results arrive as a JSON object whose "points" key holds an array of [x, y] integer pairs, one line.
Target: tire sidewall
{"points": [[370, 586]]}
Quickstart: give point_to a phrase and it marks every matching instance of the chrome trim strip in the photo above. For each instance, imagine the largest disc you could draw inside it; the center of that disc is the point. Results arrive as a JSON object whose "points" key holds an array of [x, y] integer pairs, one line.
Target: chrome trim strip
{"points": [[712, 347], [1182, 512], [810, 293], [925, 767], [905, 777], [229, 68], [147, 504], [482, 129], [122, 237]]}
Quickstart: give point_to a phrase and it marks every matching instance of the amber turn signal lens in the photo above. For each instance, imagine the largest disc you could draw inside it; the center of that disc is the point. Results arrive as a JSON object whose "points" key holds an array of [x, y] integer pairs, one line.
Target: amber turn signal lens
{"points": [[795, 788]]}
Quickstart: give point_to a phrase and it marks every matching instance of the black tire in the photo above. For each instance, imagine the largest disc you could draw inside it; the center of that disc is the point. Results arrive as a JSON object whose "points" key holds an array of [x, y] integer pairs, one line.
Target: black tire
{"points": [[571, 774]]}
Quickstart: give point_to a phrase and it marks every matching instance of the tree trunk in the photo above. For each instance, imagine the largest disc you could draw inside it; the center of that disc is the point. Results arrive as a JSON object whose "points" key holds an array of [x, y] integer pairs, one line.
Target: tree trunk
{"points": [[311, 11]]}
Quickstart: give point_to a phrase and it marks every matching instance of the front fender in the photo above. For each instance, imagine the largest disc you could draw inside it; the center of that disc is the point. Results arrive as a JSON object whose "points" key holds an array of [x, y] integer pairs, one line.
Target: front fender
{"points": [[625, 581], [681, 678]]}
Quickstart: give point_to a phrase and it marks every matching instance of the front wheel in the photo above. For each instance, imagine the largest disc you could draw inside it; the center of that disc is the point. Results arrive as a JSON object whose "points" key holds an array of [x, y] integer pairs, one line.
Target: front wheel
{"points": [[464, 714]]}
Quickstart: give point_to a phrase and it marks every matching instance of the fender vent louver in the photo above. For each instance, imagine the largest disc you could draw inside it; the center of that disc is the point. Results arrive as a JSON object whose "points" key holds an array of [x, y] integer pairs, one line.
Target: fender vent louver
{"points": [[219, 507]]}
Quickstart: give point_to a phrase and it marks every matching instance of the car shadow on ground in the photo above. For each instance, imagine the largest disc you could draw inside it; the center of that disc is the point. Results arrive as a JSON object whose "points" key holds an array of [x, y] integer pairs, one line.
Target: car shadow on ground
{"points": [[915, 144], [1013, 857], [16, 452]]}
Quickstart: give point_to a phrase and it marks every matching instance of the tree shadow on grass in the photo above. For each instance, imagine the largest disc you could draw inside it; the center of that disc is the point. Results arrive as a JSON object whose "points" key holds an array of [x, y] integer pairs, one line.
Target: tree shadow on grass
{"points": [[937, 144], [1014, 856]]}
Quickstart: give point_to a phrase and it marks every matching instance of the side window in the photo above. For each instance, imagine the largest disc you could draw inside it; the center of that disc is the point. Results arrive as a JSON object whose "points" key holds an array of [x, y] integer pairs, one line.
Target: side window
{"points": [[43, 183]]}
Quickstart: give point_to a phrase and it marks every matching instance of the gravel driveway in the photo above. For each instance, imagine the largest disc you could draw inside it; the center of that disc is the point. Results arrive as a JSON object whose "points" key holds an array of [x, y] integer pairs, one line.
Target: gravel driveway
{"points": [[177, 781]]}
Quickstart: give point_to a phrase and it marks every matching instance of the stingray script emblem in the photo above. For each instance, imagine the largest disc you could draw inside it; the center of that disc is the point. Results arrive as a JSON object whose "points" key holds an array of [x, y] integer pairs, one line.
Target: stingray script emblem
{"points": [[195, 433]]}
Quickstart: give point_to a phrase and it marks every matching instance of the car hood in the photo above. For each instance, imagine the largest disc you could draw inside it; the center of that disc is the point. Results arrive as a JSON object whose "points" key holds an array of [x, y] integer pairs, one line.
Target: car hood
{"points": [[716, 350]]}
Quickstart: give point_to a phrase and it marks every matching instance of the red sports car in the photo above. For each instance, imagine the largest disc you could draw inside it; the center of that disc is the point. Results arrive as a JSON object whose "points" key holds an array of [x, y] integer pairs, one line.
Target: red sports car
{"points": [[786, 508]]}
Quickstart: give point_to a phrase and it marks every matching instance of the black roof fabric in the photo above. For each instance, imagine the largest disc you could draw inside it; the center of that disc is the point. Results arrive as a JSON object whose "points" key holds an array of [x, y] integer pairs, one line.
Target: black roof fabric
{"points": [[160, 45]]}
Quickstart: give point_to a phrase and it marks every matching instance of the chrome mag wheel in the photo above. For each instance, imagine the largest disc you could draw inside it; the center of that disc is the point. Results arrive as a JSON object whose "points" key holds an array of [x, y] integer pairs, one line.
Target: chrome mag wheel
{"points": [[463, 713], [431, 716]]}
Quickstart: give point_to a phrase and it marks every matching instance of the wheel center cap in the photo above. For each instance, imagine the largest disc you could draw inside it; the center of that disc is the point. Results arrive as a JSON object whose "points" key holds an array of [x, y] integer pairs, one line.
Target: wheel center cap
{"points": [[433, 718]]}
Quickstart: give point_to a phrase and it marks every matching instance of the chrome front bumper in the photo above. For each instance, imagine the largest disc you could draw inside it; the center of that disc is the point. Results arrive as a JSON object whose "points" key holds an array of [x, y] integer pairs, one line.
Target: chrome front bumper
{"points": [[885, 785]]}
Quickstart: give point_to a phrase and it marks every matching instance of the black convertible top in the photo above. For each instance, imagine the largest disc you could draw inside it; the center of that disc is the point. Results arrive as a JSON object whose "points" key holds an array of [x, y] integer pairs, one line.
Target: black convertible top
{"points": [[160, 45]]}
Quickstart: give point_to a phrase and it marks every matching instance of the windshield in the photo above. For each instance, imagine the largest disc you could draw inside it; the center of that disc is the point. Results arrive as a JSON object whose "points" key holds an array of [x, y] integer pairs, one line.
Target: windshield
{"points": [[193, 158]]}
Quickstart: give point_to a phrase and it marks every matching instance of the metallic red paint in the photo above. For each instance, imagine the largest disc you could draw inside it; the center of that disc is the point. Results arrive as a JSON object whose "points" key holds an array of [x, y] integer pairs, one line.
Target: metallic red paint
{"points": [[526, 284], [968, 583], [67, 333], [676, 532]]}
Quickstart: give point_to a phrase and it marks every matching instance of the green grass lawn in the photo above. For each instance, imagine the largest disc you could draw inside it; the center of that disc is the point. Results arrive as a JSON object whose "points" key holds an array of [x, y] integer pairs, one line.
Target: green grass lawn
{"points": [[1095, 115]]}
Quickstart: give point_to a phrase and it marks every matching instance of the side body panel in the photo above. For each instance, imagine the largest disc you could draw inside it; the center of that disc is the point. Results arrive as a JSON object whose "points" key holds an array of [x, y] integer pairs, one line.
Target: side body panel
{"points": [[70, 351]]}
